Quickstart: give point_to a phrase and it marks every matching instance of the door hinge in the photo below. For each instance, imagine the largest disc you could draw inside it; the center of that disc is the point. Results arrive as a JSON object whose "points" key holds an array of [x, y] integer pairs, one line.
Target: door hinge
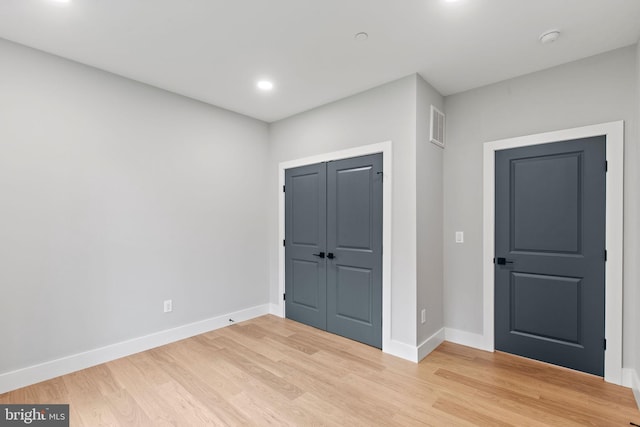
{"points": [[284, 243], [604, 343], [284, 297], [606, 166], [605, 254], [283, 188]]}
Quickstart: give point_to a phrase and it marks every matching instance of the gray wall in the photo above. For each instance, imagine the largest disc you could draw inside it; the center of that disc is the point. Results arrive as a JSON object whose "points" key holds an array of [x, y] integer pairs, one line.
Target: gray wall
{"points": [[114, 197], [429, 161], [385, 113], [594, 90], [635, 321]]}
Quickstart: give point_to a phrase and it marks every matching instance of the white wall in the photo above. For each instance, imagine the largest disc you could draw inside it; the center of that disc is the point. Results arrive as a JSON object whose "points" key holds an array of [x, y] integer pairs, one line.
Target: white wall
{"points": [[113, 197], [385, 113], [594, 90], [429, 186]]}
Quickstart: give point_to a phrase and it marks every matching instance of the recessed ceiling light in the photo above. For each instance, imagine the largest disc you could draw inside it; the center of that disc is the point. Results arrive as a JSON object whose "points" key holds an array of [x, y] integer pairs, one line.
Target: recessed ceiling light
{"points": [[265, 85], [362, 36], [61, 1], [549, 36]]}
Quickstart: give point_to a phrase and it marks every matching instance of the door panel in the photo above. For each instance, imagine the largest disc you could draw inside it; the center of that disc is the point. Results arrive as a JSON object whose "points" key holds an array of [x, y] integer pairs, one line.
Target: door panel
{"points": [[546, 306], [354, 292], [547, 188], [307, 195], [352, 198], [550, 229], [354, 235], [305, 231], [306, 275]]}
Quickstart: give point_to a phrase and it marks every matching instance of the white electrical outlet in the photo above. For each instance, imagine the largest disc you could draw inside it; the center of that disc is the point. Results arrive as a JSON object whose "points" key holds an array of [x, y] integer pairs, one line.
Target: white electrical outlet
{"points": [[459, 237], [168, 306], [423, 315]]}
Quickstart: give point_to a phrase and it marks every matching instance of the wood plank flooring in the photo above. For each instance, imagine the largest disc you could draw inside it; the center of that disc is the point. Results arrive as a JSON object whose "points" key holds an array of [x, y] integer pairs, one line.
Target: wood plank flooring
{"points": [[272, 371]]}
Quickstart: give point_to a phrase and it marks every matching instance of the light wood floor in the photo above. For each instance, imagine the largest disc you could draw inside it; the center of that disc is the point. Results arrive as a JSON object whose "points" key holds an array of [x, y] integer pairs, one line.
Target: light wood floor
{"points": [[272, 371]]}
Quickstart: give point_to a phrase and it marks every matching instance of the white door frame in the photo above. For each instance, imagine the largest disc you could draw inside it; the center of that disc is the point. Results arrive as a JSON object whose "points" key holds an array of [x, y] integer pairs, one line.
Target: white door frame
{"points": [[385, 149], [614, 132]]}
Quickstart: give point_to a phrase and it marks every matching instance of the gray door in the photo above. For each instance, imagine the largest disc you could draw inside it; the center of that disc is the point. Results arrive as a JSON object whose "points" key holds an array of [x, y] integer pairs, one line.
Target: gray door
{"points": [[550, 253], [350, 261], [305, 244], [354, 237]]}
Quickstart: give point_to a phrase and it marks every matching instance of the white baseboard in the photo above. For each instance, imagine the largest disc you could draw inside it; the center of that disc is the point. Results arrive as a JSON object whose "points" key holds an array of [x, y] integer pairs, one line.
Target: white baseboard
{"points": [[627, 377], [401, 350], [631, 379], [430, 344], [276, 310], [65, 365], [413, 353], [469, 339]]}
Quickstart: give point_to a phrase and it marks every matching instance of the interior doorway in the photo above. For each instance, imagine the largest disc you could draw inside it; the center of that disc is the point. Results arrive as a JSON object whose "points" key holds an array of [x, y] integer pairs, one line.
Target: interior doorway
{"points": [[550, 252], [613, 132], [333, 247], [385, 148]]}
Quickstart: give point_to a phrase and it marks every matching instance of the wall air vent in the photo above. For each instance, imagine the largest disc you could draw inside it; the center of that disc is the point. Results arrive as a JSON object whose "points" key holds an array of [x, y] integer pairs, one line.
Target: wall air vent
{"points": [[436, 130]]}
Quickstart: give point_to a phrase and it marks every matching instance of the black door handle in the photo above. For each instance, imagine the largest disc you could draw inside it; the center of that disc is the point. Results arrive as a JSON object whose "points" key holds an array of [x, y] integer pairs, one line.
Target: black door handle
{"points": [[321, 254], [330, 255], [503, 261]]}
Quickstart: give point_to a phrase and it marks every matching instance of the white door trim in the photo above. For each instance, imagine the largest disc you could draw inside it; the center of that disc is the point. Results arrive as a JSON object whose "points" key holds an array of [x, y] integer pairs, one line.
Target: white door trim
{"points": [[385, 149], [614, 132]]}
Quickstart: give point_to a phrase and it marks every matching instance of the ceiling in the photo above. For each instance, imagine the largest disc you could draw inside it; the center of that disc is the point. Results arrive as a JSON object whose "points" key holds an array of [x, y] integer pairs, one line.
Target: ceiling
{"points": [[216, 50]]}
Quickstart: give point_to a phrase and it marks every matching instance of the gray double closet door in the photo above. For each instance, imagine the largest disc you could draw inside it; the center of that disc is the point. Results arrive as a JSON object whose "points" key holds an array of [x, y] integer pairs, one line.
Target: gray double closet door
{"points": [[333, 247]]}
